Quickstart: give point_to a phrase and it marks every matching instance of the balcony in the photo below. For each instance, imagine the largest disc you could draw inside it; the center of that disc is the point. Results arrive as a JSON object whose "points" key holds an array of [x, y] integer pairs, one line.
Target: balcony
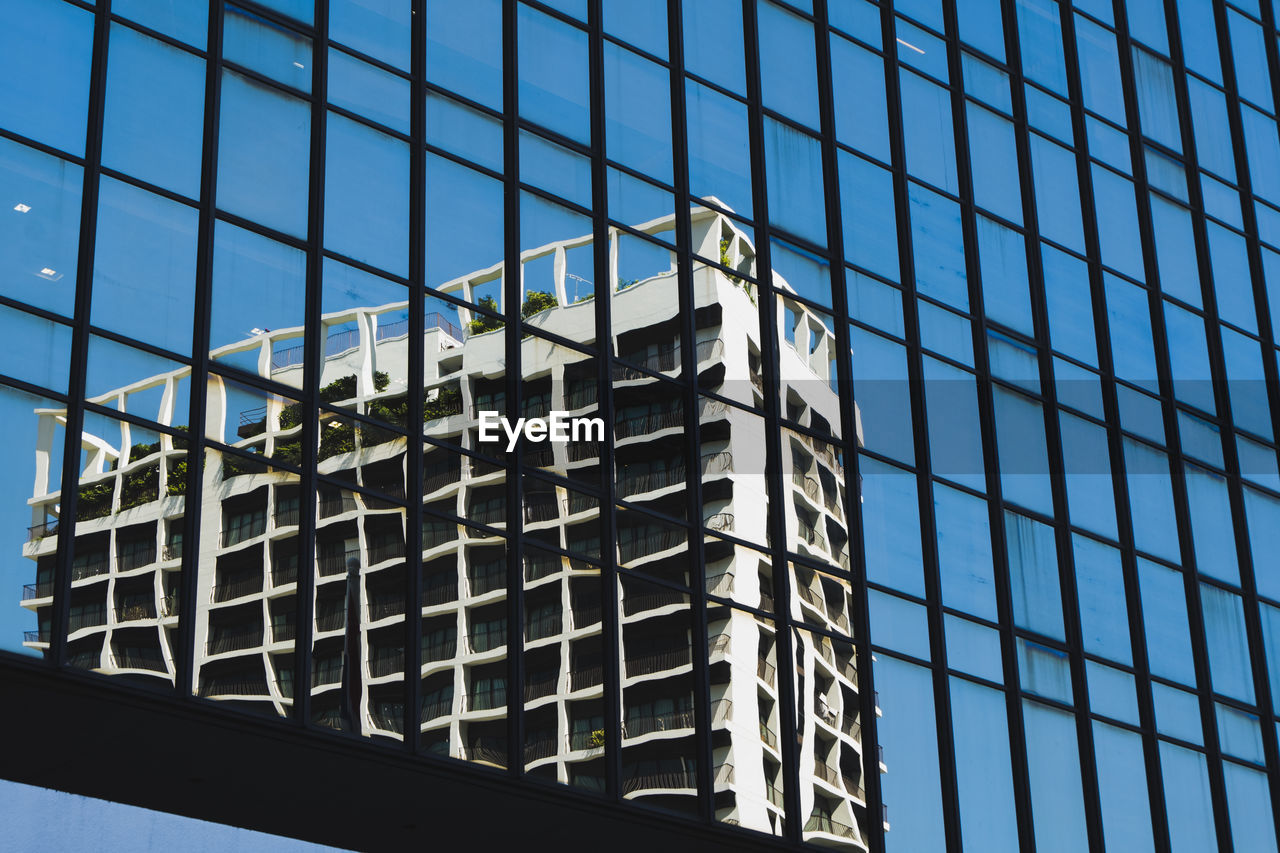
{"points": [[233, 687], [437, 480], [765, 671], [443, 650], [44, 589], [231, 588], [91, 566], [638, 547], [286, 573], [810, 536], [437, 709], [768, 735], [331, 620], [819, 823], [651, 599], [647, 664], [487, 641], [136, 658], [284, 629], [131, 612], [335, 562], [650, 423], [487, 577], [826, 773], [544, 626], [234, 639], [439, 594], [635, 725], [40, 636], [808, 485], [385, 548], [437, 533], [536, 687], [36, 532], [390, 662], [384, 606], [536, 750], [331, 505], [581, 678], [488, 699], [721, 521], [678, 779], [389, 721]]}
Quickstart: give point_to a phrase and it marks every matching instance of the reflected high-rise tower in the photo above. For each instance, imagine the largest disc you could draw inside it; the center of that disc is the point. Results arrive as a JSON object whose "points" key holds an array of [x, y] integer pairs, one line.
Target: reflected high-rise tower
{"points": [[129, 546]]}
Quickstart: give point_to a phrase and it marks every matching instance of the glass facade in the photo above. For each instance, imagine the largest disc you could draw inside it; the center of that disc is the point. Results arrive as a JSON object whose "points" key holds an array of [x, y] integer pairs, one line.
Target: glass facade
{"points": [[920, 363]]}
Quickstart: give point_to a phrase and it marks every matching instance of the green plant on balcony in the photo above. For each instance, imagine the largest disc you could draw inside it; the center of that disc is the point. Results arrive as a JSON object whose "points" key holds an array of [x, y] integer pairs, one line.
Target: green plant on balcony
{"points": [[537, 300], [140, 487], [725, 260], [236, 466], [289, 452], [342, 388], [336, 437], [448, 401], [177, 483], [140, 450], [95, 500], [380, 381], [290, 416], [484, 323], [596, 741], [393, 411]]}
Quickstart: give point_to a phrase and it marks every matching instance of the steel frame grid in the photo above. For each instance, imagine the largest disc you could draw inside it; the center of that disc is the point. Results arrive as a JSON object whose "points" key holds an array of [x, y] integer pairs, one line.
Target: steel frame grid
{"points": [[1114, 433]]}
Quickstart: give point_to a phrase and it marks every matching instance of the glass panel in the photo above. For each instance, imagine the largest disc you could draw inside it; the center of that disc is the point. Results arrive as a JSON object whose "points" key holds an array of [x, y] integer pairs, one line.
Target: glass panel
{"points": [[45, 51], [40, 242]]}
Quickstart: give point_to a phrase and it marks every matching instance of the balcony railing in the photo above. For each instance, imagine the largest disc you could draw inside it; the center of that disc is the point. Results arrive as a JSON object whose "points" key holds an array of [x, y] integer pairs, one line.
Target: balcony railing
{"points": [[389, 721], [169, 605], [678, 779], [536, 750], [486, 700], [331, 505], [584, 677], [487, 577], [439, 594], [233, 687], [635, 725], [768, 735], [436, 533], [810, 536], [584, 616], [850, 726], [544, 626], [808, 485], [439, 651], [440, 479], [40, 636], [91, 567], [283, 630], [44, 589], [658, 661], [234, 639], [335, 563], [487, 514], [826, 773], [765, 670], [287, 516], [645, 424], [237, 587], [651, 600], [486, 641], [487, 754], [387, 548], [380, 607], [332, 620], [132, 612], [285, 573], [139, 659], [538, 687], [437, 709], [639, 547], [819, 823], [37, 532], [386, 663]]}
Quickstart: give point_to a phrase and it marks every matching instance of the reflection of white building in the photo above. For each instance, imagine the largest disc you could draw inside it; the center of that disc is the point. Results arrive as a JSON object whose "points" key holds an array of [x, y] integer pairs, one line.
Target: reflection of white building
{"points": [[129, 541]]}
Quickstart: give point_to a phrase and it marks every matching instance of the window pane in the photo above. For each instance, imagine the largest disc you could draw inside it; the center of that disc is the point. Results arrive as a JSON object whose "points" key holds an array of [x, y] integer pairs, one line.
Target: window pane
{"points": [[45, 49], [40, 238], [366, 198]]}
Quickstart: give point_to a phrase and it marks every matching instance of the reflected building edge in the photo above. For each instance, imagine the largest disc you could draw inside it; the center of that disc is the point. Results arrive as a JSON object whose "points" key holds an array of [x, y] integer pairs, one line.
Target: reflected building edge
{"points": [[129, 536]]}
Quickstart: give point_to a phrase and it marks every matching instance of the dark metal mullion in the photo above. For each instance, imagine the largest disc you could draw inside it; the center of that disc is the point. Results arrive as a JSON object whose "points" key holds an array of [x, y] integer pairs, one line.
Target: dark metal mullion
{"points": [[860, 615], [60, 612], [187, 578], [1173, 440], [1070, 597], [416, 376], [693, 429], [1115, 436], [611, 639], [770, 349], [1263, 699], [512, 286], [313, 365]]}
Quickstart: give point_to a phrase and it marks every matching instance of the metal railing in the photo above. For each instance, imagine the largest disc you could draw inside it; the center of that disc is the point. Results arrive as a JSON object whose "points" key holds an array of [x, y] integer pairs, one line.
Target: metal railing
{"points": [[130, 613], [639, 547], [89, 568], [543, 627], [386, 663], [439, 594], [439, 651], [810, 536], [539, 687], [487, 577], [43, 589], [536, 750], [332, 620], [826, 772], [584, 616], [135, 555], [722, 521], [544, 509], [584, 677], [41, 530], [765, 670], [487, 641], [287, 516], [335, 563], [486, 700], [649, 423], [330, 505], [385, 548], [284, 629], [635, 725], [228, 589], [380, 607], [678, 779], [651, 600], [233, 687], [128, 658], [768, 735], [658, 662], [808, 485], [440, 479], [40, 636], [820, 823], [234, 639], [436, 709]]}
